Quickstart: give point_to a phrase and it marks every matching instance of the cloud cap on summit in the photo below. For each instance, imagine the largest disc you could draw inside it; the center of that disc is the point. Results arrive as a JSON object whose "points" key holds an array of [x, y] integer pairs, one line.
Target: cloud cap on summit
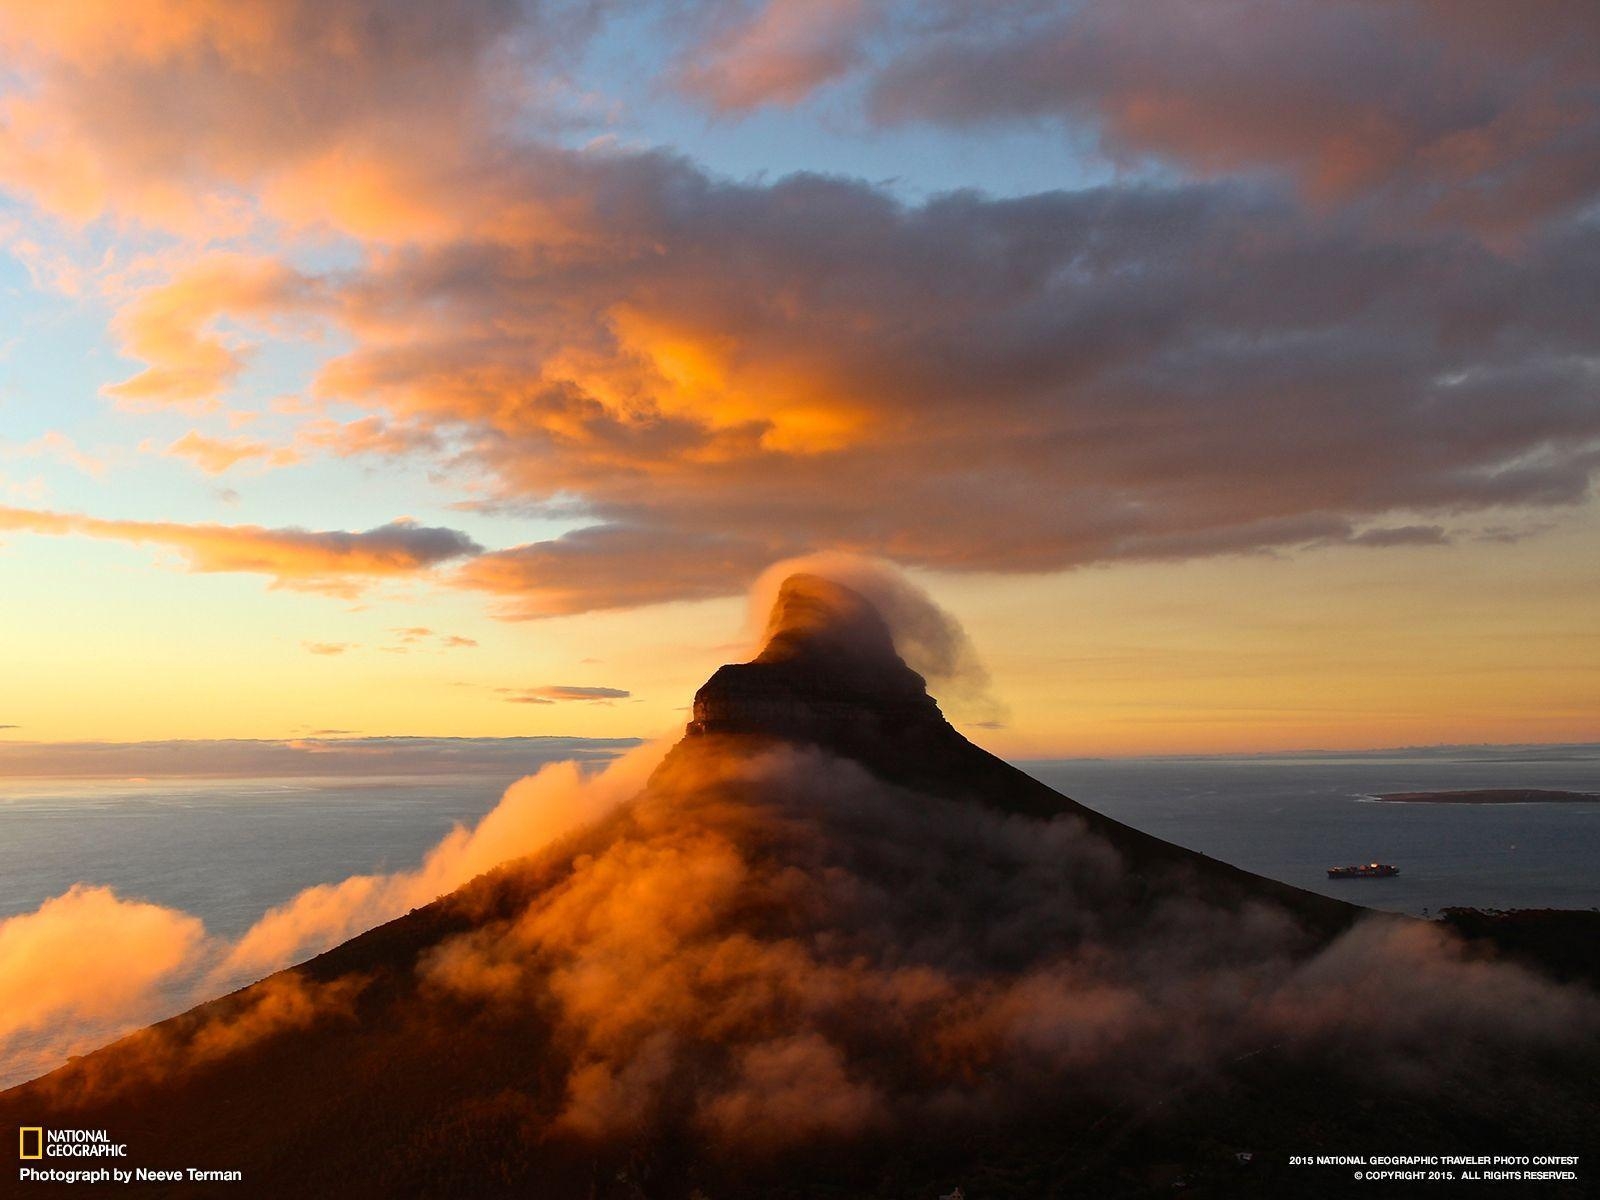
{"points": [[815, 619]]}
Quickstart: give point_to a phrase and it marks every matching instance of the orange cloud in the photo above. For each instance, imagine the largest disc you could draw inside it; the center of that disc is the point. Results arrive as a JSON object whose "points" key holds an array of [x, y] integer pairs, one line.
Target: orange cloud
{"points": [[99, 118], [610, 567], [793, 1089], [282, 1003], [534, 811], [366, 435], [336, 561], [417, 635], [408, 129], [558, 693], [81, 967], [57, 445], [326, 648], [968, 384], [172, 327], [715, 374], [86, 965], [216, 455], [770, 945], [778, 55]]}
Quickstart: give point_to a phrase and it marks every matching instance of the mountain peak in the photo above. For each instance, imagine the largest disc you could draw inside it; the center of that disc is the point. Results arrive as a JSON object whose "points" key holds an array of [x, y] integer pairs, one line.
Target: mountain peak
{"points": [[828, 673], [829, 676], [817, 618]]}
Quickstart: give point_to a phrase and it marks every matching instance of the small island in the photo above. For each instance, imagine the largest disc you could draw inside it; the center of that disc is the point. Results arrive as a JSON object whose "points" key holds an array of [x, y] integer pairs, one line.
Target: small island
{"points": [[1492, 796]]}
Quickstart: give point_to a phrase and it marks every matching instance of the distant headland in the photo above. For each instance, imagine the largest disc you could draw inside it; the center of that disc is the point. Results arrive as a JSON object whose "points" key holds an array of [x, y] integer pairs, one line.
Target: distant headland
{"points": [[1492, 796]]}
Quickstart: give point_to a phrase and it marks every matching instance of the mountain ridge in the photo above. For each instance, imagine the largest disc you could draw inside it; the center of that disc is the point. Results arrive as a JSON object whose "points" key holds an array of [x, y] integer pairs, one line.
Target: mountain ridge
{"points": [[830, 923]]}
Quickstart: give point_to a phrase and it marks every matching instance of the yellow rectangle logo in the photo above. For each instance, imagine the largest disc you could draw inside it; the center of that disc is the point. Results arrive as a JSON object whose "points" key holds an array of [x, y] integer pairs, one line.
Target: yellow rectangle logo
{"points": [[38, 1141]]}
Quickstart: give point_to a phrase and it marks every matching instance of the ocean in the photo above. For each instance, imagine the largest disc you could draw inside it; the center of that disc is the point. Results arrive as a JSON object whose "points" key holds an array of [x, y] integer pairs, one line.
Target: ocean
{"points": [[226, 850], [1293, 818]]}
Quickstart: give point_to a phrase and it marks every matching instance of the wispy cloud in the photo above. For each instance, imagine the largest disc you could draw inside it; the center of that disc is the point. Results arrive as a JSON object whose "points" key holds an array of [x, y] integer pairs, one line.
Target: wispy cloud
{"points": [[56, 445], [562, 693], [173, 328], [1402, 535], [216, 455], [326, 752], [338, 562], [612, 566], [327, 648], [411, 636]]}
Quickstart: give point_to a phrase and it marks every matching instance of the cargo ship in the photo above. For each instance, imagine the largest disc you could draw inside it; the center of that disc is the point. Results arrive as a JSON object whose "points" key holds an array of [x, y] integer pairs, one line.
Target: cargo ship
{"points": [[1370, 871]]}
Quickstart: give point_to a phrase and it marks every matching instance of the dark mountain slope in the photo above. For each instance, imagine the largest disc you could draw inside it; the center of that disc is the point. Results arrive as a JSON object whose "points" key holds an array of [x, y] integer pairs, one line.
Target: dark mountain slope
{"points": [[830, 675], [833, 949]]}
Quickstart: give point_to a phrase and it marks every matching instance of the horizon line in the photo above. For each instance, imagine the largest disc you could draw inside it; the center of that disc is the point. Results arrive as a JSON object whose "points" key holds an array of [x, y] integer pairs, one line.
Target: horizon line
{"points": [[293, 756]]}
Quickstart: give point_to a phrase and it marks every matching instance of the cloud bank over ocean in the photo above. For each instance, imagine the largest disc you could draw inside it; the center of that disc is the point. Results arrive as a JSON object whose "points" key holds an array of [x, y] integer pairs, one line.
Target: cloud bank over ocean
{"points": [[129, 962], [313, 755]]}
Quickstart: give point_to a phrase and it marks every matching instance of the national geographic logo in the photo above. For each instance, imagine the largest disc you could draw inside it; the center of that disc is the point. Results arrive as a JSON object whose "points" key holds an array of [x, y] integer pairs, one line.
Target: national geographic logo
{"points": [[35, 1142]]}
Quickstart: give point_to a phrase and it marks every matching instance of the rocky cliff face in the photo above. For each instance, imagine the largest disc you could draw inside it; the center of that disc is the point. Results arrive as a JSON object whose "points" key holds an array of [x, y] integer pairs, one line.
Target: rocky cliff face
{"points": [[829, 674]]}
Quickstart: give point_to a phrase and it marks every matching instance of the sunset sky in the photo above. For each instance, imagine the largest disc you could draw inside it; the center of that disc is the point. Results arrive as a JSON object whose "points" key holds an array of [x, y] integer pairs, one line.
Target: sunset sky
{"points": [[1229, 368]]}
